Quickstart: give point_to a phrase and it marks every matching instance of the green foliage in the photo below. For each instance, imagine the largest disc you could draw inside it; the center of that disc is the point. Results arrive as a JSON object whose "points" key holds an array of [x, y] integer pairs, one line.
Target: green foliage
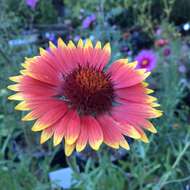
{"points": [[45, 12], [19, 177], [105, 176]]}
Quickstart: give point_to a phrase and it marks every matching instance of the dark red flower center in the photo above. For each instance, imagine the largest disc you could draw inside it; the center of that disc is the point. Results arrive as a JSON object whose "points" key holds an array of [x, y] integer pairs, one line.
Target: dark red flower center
{"points": [[145, 63], [89, 90]]}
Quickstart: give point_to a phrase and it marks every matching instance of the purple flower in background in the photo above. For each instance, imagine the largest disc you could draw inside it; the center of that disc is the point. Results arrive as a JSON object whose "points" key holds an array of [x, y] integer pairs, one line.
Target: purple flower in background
{"points": [[182, 69], [158, 31], [88, 21], [51, 37], [31, 3], [77, 38], [146, 60], [167, 52]]}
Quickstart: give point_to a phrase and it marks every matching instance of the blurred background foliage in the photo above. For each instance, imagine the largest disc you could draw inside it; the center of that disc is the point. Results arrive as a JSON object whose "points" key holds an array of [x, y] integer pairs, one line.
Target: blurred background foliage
{"points": [[130, 26]]}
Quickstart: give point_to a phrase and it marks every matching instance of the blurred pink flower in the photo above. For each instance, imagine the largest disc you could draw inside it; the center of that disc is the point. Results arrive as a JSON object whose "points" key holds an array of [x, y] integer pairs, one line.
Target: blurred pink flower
{"points": [[161, 42], [146, 60], [31, 3]]}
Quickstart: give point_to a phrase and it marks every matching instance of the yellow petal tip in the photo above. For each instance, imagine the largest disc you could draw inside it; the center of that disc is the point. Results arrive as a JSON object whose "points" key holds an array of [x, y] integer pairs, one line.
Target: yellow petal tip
{"points": [[43, 138], [98, 45], [147, 74], [51, 45], [70, 140], [134, 134], [22, 106], [57, 141], [28, 117], [16, 97], [149, 91], [38, 126], [35, 129], [15, 78], [61, 43], [71, 44], [80, 148], [96, 146], [69, 149], [144, 139], [153, 130], [88, 43], [132, 64], [124, 144], [42, 51], [107, 48], [80, 44], [14, 87]]}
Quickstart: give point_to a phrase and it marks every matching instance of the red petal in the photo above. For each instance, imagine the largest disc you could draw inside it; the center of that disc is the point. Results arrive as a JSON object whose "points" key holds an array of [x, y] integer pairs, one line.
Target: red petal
{"points": [[34, 88], [111, 131], [124, 76], [61, 128], [73, 127], [41, 70], [132, 110], [49, 118], [83, 137], [136, 93], [95, 133]]}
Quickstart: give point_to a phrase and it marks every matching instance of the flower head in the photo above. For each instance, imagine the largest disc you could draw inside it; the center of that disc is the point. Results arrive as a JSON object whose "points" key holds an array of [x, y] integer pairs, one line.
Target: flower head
{"points": [[182, 69], [88, 21], [75, 98], [31, 3], [161, 42], [146, 59], [166, 52]]}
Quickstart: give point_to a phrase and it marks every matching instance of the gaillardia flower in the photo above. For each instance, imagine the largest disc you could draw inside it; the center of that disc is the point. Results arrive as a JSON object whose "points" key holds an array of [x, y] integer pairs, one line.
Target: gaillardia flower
{"points": [[146, 60], [76, 98]]}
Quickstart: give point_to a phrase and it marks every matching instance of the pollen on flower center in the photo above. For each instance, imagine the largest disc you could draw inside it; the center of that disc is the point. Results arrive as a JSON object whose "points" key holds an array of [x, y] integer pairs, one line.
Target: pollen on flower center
{"points": [[145, 62], [89, 90]]}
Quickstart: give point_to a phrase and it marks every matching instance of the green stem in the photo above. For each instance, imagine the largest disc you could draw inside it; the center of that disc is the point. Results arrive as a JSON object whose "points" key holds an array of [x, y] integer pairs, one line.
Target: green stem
{"points": [[164, 178], [71, 161], [178, 180], [6, 58], [6, 143]]}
